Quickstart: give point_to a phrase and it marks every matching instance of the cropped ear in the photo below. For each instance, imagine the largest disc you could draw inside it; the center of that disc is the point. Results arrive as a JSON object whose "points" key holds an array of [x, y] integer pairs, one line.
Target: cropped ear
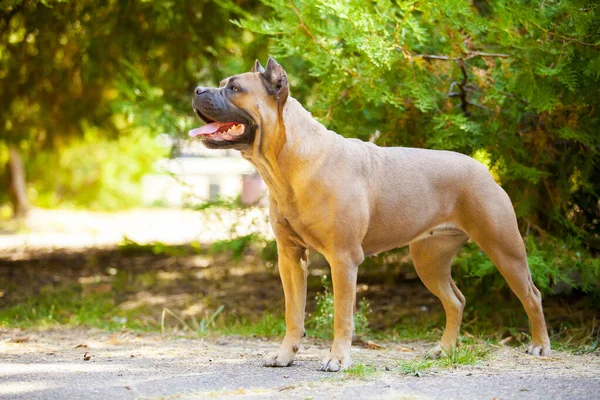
{"points": [[257, 67], [276, 80]]}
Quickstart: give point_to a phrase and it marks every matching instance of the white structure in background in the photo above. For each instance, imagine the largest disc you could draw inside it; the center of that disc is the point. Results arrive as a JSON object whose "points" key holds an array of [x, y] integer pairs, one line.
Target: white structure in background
{"points": [[197, 174]]}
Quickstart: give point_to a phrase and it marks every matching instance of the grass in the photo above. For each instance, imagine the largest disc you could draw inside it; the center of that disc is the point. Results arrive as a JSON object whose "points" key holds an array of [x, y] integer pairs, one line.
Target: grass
{"points": [[73, 306], [105, 291], [269, 325], [360, 371], [101, 305], [69, 306], [467, 354]]}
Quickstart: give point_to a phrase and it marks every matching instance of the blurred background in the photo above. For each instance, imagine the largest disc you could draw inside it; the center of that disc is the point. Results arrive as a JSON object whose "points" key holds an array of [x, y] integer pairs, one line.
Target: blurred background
{"points": [[110, 215]]}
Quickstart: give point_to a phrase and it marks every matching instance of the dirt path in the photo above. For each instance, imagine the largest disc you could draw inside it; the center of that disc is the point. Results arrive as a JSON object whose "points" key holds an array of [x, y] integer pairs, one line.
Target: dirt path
{"points": [[49, 365]]}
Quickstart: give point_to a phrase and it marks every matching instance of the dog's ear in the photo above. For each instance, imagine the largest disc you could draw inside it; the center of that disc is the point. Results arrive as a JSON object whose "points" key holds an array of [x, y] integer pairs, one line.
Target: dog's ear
{"points": [[257, 67], [276, 79]]}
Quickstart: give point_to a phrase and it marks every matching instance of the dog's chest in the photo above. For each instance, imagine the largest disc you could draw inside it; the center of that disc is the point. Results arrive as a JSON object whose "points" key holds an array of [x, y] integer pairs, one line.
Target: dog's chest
{"points": [[304, 230]]}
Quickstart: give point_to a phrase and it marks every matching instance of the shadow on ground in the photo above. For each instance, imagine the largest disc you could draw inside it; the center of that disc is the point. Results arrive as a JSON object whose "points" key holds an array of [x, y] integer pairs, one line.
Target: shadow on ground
{"points": [[92, 364]]}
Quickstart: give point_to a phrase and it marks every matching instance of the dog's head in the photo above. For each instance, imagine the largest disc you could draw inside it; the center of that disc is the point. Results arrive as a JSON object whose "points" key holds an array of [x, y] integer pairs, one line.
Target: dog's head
{"points": [[242, 108]]}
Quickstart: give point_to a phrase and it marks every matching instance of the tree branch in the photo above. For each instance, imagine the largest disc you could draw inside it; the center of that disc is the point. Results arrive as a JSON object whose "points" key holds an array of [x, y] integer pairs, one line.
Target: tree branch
{"points": [[304, 27], [462, 85], [571, 39], [470, 54], [434, 57]]}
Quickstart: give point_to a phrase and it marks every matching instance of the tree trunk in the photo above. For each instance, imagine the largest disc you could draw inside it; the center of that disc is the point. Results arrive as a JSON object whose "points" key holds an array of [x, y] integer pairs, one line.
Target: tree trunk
{"points": [[18, 186]]}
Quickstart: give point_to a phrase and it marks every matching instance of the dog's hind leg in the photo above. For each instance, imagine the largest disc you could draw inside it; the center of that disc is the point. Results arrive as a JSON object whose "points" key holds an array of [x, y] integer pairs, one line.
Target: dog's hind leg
{"points": [[432, 257], [508, 255], [494, 229]]}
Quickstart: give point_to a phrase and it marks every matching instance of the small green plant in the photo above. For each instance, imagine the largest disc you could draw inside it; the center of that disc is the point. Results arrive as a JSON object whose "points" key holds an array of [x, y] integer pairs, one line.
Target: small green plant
{"points": [[360, 371], [202, 327], [205, 324], [235, 246], [414, 367], [467, 354], [361, 322], [321, 324]]}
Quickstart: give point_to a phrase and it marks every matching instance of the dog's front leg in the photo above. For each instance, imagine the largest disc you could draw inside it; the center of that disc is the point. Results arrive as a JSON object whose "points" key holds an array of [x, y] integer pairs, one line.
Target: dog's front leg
{"points": [[344, 272], [293, 263]]}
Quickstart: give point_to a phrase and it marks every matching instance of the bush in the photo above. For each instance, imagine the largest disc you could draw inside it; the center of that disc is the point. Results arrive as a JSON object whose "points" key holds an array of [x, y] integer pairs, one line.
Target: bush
{"points": [[93, 172], [555, 267]]}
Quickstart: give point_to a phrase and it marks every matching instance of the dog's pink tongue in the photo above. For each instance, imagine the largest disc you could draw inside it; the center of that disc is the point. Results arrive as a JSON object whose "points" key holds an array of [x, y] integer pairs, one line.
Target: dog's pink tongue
{"points": [[208, 129]]}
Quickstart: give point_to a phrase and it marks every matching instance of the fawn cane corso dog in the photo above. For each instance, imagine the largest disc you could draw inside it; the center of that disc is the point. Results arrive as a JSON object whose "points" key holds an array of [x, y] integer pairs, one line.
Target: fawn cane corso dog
{"points": [[348, 199]]}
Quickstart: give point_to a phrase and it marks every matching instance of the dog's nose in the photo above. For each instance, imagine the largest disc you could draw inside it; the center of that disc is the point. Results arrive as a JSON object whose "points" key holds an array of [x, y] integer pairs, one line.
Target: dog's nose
{"points": [[199, 90]]}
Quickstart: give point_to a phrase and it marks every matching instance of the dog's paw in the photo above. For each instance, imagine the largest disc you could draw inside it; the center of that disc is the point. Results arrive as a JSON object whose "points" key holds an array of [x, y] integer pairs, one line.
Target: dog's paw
{"points": [[536, 349], [335, 362], [278, 359], [435, 353]]}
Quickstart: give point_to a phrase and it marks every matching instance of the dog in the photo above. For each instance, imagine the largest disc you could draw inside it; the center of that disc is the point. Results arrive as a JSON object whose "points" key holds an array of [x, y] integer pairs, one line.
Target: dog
{"points": [[348, 199]]}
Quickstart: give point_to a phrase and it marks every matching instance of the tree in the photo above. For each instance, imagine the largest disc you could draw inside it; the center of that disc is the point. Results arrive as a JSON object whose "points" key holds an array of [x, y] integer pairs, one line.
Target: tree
{"points": [[70, 64]]}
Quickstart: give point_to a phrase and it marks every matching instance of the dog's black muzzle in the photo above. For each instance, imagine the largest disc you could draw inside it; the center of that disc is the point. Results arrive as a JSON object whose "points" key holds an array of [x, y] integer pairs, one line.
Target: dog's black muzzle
{"points": [[213, 104]]}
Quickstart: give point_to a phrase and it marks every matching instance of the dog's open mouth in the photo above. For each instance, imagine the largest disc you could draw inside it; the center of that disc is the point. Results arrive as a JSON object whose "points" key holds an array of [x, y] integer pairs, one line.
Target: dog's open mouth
{"points": [[216, 130], [219, 130]]}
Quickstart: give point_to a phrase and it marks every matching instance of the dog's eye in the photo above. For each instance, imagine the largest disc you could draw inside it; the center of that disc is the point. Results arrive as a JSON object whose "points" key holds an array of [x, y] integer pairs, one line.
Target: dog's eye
{"points": [[235, 88]]}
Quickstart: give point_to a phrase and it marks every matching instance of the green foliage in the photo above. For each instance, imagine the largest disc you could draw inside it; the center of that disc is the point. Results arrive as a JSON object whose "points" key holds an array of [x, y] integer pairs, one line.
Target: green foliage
{"points": [[268, 253], [360, 371], [465, 354], [268, 325], [67, 305], [115, 67], [361, 321], [202, 327], [321, 324], [128, 246], [550, 261], [80, 60], [235, 246], [414, 367], [93, 172], [219, 204]]}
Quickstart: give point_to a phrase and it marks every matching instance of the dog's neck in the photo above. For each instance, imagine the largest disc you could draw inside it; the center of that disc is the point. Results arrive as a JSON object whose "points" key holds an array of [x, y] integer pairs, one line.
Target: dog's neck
{"points": [[283, 159], [303, 134]]}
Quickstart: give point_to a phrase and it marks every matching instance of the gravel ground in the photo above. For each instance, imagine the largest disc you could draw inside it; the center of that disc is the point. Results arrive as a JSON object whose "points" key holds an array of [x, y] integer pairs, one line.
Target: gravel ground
{"points": [[124, 365]]}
